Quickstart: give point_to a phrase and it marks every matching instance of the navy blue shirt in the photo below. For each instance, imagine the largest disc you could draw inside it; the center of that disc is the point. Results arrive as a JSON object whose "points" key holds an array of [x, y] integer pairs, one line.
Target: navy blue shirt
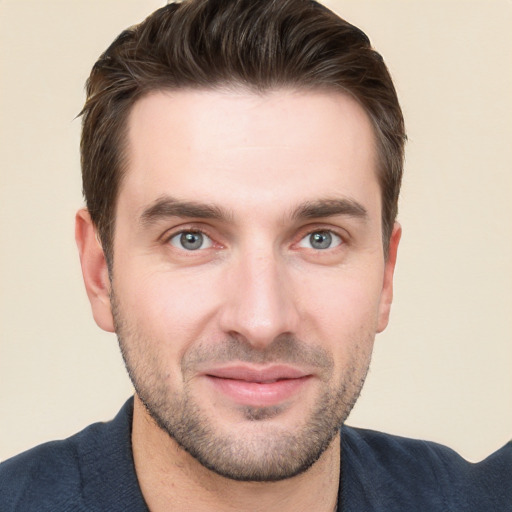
{"points": [[93, 471]]}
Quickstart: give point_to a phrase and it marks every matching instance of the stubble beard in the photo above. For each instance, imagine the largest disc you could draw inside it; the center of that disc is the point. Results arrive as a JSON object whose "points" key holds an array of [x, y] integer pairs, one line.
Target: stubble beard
{"points": [[267, 451]]}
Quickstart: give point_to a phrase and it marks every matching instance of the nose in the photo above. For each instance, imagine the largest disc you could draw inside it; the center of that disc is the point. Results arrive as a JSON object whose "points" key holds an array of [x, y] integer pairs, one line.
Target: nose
{"points": [[259, 303]]}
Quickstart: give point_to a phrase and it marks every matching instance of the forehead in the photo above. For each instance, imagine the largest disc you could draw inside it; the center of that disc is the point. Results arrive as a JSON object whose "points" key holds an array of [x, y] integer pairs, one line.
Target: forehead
{"points": [[248, 149]]}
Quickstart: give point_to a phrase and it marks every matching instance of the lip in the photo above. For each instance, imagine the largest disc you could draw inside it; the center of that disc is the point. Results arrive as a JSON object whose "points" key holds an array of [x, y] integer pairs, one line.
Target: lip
{"points": [[258, 387]]}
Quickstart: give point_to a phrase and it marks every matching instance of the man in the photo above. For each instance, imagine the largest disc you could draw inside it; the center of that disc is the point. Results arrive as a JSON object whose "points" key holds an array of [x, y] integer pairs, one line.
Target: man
{"points": [[241, 166]]}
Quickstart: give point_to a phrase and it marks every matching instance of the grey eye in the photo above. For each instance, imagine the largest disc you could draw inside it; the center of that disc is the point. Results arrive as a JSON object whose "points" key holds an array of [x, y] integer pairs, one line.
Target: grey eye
{"points": [[321, 240], [191, 240]]}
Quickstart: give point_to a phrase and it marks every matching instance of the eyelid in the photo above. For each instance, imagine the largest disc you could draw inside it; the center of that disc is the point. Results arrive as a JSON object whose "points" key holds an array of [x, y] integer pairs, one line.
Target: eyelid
{"points": [[190, 227], [303, 232], [336, 239], [317, 227], [205, 240]]}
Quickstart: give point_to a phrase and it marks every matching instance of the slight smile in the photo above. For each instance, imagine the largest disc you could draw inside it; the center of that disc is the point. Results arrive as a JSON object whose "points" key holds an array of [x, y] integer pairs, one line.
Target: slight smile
{"points": [[258, 387]]}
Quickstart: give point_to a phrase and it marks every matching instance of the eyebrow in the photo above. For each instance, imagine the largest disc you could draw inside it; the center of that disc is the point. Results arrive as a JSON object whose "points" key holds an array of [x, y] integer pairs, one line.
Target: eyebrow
{"points": [[330, 208], [167, 206]]}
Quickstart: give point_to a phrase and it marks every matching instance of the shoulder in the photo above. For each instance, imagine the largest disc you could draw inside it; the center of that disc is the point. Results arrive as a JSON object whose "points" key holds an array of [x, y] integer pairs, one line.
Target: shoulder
{"points": [[42, 478], [92, 470], [424, 474]]}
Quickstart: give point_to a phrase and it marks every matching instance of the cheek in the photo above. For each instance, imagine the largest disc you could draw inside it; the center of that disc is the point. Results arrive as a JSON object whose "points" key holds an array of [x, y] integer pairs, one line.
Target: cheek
{"points": [[170, 309], [342, 307]]}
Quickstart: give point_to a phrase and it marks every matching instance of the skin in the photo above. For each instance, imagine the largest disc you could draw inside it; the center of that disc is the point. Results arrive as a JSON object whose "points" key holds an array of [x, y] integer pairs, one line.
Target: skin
{"points": [[268, 170]]}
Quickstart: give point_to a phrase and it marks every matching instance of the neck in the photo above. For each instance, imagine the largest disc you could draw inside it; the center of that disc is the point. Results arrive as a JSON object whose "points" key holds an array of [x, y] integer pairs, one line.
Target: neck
{"points": [[169, 476]]}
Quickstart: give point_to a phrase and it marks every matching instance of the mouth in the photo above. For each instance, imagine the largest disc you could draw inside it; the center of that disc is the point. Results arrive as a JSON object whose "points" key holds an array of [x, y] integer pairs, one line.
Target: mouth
{"points": [[258, 387]]}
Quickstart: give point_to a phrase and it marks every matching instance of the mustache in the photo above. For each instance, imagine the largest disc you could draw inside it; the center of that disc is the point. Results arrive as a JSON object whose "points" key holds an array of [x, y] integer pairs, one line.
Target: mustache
{"points": [[285, 349]]}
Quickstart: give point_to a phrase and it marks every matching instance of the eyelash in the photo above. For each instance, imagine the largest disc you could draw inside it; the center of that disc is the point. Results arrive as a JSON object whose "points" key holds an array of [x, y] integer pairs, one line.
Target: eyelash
{"points": [[307, 232], [191, 232], [332, 237]]}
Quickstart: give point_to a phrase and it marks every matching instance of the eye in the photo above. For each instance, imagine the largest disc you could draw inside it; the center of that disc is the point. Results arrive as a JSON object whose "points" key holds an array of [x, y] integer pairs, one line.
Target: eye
{"points": [[321, 240], [191, 240]]}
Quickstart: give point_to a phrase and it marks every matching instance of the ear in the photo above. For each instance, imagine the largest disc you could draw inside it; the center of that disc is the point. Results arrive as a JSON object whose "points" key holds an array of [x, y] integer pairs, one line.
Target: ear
{"points": [[94, 270], [386, 297]]}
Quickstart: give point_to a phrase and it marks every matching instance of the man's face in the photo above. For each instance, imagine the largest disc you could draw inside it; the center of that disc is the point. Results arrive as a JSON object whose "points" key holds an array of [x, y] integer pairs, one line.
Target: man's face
{"points": [[248, 277]]}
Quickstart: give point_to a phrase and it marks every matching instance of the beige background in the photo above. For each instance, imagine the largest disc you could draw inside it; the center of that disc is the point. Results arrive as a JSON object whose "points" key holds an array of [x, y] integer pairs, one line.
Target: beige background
{"points": [[442, 371]]}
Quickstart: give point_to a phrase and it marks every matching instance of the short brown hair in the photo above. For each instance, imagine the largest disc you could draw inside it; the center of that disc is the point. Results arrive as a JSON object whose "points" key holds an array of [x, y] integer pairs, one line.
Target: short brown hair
{"points": [[256, 44]]}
